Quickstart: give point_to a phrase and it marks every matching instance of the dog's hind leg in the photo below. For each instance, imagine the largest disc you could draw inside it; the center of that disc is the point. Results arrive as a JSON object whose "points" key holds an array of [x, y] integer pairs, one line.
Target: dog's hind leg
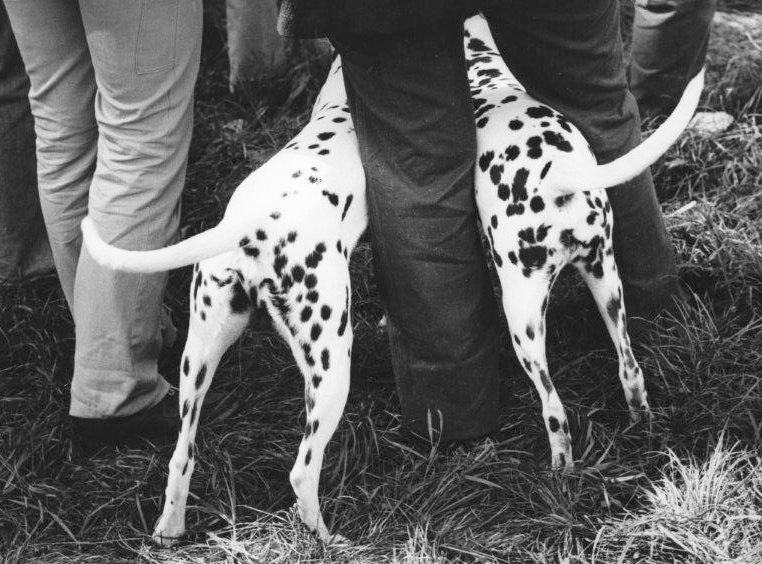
{"points": [[220, 309], [601, 276], [525, 300], [321, 340]]}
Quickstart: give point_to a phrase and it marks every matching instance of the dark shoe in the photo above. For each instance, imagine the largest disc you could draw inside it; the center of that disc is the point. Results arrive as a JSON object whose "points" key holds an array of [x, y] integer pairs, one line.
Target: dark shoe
{"points": [[158, 422]]}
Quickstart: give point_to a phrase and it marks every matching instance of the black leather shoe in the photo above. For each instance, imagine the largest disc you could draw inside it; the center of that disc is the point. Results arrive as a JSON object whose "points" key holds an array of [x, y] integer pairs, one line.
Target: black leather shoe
{"points": [[158, 422]]}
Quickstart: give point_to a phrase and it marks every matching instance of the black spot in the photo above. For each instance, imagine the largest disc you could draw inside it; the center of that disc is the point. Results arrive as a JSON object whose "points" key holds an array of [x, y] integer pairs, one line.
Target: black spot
{"points": [[307, 431], [323, 152], [557, 140], [307, 350], [495, 173], [186, 407], [537, 204], [482, 122], [194, 411], [315, 425], [497, 259], [491, 73], [313, 296], [515, 124], [316, 380], [339, 119], [535, 147], [545, 379], [544, 123], [517, 340], [527, 365], [564, 123], [561, 201], [514, 209], [508, 99], [325, 359], [527, 235], [478, 45], [239, 303], [292, 236], [485, 160], [503, 192], [483, 110], [530, 332], [297, 273], [315, 332], [519, 188], [314, 179], [562, 458], [200, 376], [310, 281], [186, 366], [261, 235], [512, 257], [325, 312], [308, 457], [493, 221], [203, 316], [190, 451], [333, 198], [196, 284], [279, 264], [252, 252], [185, 469], [512, 153], [565, 427], [591, 218], [313, 146], [545, 169], [314, 258], [343, 323], [243, 242], [538, 112], [542, 232], [346, 206], [325, 136], [306, 314], [533, 258], [553, 424], [297, 174]]}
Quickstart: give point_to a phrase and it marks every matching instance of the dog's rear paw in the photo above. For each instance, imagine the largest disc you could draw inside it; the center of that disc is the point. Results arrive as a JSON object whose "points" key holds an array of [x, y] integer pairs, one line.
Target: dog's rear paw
{"points": [[164, 540]]}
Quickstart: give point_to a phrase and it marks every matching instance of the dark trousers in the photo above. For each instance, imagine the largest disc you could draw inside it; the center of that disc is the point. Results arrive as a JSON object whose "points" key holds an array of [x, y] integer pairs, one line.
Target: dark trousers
{"points": [[24, 248], [414, 119], [669, 42]]}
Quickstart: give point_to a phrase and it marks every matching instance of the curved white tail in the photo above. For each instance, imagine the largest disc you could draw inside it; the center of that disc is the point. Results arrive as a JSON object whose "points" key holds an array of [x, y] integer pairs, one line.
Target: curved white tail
{"points": [[225, 237], [567, 175]]}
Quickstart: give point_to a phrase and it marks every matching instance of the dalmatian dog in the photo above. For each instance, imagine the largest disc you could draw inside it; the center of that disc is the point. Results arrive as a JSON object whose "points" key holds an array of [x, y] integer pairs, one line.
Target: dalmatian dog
{"points": [[288, 232]]}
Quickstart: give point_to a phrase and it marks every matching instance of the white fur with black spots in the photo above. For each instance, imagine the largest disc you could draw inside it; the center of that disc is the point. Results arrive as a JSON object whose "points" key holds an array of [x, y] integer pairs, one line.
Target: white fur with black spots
{"points": [[290, 227]]}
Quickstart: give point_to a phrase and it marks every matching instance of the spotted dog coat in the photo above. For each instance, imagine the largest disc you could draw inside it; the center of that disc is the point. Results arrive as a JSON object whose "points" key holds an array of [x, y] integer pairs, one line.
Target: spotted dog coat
{"points": [[287, 234]]}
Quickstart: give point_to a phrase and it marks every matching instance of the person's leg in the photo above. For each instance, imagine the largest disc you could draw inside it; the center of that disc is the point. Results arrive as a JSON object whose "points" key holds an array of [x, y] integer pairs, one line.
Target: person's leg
{"points": [[145, 57], [61, 97], [568, 54], [414, 117], [669, 41], [24, 248]]}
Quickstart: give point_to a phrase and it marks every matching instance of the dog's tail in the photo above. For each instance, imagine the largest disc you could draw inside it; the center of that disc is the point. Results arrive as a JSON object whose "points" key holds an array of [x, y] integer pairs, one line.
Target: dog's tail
{"points": [[567, 175], [225, 237]]}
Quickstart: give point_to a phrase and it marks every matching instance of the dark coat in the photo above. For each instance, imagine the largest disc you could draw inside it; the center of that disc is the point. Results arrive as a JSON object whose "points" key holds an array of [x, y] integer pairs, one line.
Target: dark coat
{"points": [[319, 18]]}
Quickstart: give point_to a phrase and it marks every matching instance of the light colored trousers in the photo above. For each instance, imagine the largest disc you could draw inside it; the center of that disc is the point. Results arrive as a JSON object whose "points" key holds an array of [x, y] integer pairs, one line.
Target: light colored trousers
{"points": [[112, 97]]}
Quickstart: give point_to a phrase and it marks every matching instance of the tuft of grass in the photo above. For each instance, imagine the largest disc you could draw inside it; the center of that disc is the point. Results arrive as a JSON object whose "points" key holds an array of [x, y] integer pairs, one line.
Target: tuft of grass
{"points": [[697, 511]]}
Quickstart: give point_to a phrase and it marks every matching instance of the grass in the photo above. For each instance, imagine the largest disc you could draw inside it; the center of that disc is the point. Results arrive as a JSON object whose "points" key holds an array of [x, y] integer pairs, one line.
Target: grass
{"points": [[689, 489]]}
